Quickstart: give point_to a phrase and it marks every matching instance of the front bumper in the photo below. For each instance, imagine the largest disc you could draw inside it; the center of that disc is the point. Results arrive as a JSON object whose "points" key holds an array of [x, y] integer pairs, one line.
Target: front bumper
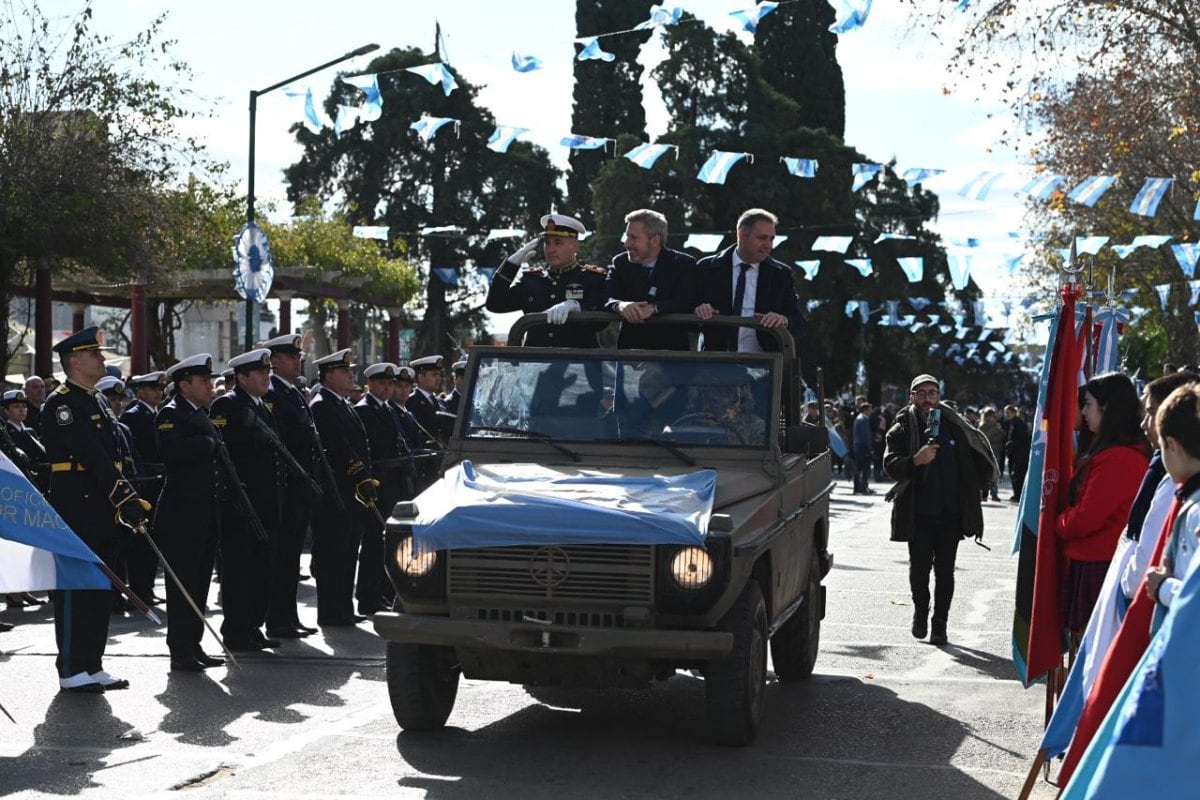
{"points": [[559, 639]]}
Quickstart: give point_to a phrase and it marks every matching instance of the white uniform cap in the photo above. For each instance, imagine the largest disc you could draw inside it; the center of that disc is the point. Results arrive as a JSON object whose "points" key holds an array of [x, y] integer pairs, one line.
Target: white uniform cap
{"points": [[562, 225], [288, 343], [383, 369], [339, 359], [149, 379], [110, 384], [427, 362], [200, 364], [251, 359]]}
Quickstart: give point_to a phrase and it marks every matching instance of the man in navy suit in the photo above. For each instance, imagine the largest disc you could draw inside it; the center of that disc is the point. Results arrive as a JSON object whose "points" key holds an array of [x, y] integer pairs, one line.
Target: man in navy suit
{"points": [[744, 281], [649, 279]]}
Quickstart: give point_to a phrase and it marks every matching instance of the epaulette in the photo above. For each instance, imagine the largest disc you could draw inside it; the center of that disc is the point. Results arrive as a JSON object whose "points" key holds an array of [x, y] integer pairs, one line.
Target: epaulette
{"points": [[593, 268], [540, 271], [62, 389], [166, 426]]}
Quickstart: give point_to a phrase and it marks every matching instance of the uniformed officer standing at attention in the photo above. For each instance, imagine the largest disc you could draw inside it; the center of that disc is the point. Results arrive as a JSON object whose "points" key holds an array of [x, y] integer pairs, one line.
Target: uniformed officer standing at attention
{"points": [[424, 403], [245, 423], [21, 443], [89, 492], [337, 533], [402, 389], [289, 404], [141, 565], [452, 400], [392, 470], [187, 520], [562, 286]]}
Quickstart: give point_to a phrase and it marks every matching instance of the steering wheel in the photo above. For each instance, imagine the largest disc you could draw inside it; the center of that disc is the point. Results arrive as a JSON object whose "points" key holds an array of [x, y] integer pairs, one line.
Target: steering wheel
{"points": [[708, 422]]}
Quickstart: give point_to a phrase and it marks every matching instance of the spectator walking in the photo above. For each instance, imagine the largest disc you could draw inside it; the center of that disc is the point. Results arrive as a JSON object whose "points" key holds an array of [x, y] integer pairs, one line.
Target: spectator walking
{"points": [[1016, 448], [996, 436]]}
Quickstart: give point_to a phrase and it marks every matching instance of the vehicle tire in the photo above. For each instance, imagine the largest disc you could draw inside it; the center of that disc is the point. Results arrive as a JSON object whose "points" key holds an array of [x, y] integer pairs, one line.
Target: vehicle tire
{"points": [[422, 683], [734, 686], [794, 646]]}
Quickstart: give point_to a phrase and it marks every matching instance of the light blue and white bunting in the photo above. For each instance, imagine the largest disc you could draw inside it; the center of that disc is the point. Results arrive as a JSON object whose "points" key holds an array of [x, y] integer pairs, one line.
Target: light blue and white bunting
{"points": [[704, 242], [832, 244], [525, 63], [716, 169], [914, 175], [576, 141], [1089, 245], [979, 186], [913, 267], [427, 127], [810, 267], [1187, 254], [372, 107], [435, 74], [503, 233], [1164, 294], [644, 155], [314, 121], [863, 265], [750, 17], [447, 275], [1152, 193], [592, 52], [960, 269], [1150, 240], [851, 14], [503, 137], [897, 237], [664, 16], [347, 118], [800, 167], [1092, 189], [379, 232], [863, 173], [1043, 186]]}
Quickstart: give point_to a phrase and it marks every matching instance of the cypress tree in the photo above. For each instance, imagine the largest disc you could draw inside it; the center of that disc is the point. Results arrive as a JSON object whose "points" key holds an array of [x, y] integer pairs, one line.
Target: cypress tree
{"points": [[799, 60]]}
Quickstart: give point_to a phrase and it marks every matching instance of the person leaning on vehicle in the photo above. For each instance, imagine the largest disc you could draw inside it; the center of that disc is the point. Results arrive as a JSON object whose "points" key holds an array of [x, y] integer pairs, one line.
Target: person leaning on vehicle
{"points": [[562, 286], [940, 462]]}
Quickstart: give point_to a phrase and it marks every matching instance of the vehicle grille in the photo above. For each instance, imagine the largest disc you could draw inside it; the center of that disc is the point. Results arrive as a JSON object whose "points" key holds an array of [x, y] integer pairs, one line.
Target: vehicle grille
{"points": [[596, 573], [580, 619]]}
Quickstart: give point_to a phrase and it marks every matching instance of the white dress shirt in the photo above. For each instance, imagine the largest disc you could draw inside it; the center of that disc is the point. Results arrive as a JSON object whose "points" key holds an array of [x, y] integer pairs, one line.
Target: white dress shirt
{"points": [[747, 338]]}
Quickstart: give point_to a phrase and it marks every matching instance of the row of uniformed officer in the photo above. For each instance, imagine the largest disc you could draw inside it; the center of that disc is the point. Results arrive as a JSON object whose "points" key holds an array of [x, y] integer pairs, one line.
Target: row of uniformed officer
{"points": [[141, 565], [20, 442]]}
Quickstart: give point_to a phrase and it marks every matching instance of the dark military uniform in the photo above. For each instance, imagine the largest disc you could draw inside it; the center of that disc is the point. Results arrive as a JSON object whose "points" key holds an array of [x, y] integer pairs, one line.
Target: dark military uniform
{"points": [[141, 565], [394, 472], [538, 288], [245, 559], [424, 409], [34, 466], [187, 519], [299, 435], [87, 455], [336, 534]]}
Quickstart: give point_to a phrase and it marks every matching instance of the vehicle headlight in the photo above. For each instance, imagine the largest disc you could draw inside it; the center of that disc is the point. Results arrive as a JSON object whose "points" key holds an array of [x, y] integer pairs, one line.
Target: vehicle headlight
{"points": [[692, 567], [414, 561]]}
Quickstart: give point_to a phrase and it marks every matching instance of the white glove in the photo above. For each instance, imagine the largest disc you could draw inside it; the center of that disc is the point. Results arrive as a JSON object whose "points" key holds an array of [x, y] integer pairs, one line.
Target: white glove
{"points": [[527, 249], [557, 313]]}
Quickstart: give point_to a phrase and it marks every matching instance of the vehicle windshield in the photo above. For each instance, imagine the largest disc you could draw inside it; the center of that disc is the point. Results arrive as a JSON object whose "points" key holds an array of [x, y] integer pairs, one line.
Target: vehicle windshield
{"points": [[722, 403]]}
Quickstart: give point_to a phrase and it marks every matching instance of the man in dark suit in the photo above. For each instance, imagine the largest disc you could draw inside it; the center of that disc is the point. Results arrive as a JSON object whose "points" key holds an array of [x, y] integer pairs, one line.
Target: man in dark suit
{"points": [[649, 279], [744, 281], [245, 422]]}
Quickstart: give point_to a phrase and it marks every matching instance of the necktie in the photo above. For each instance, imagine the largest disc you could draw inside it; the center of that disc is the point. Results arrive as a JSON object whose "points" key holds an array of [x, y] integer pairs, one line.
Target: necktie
{"points": [[739, 292]]}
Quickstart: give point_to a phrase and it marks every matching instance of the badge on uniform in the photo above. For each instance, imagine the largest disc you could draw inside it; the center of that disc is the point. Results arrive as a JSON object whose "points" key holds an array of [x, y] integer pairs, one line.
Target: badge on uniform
{"points": [[63, 415], [575, 291]]}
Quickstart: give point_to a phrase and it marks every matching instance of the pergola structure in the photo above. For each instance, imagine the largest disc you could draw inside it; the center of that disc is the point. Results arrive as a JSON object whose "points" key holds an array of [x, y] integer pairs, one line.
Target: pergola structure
{"points": [[289, 283]]}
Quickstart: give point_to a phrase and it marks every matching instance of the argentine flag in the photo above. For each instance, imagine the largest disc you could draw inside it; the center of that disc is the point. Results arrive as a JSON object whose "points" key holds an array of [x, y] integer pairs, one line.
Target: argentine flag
{"points": [[1091, 189], [979, 186], [1147, 200], [37, 549], [644, 155]]}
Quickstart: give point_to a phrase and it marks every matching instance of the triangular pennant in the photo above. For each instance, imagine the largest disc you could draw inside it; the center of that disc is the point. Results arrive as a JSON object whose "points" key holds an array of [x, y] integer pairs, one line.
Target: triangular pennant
{"points": [[801, 167], [1147, 200], [863, 265], [811, 267], [525, 63], [435, 74], [592, 52], [960, 269], [1186, 254], [718, 165], [752, 16], [1164, 293], [914, 268]]}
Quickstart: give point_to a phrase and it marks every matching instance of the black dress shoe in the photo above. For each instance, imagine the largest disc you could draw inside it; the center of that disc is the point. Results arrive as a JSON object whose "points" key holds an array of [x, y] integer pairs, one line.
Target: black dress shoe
{"points": [[185, 664], [307, 630], [938, 635], [285, 633], [246, 646], [209, 661]]}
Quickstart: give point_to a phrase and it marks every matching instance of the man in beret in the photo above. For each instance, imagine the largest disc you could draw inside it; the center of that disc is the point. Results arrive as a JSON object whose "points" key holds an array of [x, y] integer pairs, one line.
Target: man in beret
{"points": [[562, 286]]}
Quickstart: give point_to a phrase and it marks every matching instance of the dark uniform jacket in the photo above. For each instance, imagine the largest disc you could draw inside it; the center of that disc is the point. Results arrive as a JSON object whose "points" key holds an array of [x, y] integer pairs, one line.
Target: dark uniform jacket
{"points": [[344, 440], [140, 418], [424, 411], [452, 400], [194, 483], [408, 426], [87, 455], [296, 427], [538, 288], [776, 291], [25, 450], [258, 465], [672, 284], [382, 428]]}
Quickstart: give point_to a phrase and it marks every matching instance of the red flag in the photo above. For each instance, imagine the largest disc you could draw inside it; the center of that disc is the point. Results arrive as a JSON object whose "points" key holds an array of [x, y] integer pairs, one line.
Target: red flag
{"points": [[1123, 656], [1058, 430]]}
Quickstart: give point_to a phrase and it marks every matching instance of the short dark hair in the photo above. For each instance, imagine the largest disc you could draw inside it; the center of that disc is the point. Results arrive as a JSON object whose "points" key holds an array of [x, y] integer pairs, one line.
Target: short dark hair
{"points": [[1159, 388], [1179, 418], [752, 216], [864, 408]]}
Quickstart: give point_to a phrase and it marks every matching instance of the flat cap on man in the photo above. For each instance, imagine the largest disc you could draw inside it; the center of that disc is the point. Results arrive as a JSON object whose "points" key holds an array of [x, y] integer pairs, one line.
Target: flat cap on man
{"points": [[920, 379], [86, 339], [335, 361], [287, 343], [426, 362], [110, 383], [149, 379], [563, 226], [381, 371], [200, 364], [251, 360]]}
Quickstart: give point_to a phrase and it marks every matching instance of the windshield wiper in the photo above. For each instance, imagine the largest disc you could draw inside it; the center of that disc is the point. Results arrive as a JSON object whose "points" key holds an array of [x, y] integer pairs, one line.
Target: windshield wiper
{"points": [[535, 435], [680, 454]]}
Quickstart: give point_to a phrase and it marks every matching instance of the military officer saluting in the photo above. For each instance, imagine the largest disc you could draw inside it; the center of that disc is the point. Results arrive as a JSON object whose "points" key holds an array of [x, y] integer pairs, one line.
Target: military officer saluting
{"points": [[187, 518], [141, 565], [337, 532], [562, 286], [246, 424], [89, 491]]}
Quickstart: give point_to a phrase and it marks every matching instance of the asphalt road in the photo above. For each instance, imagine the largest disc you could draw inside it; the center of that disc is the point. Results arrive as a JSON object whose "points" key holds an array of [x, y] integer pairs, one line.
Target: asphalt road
{"points": [[885, 716]]}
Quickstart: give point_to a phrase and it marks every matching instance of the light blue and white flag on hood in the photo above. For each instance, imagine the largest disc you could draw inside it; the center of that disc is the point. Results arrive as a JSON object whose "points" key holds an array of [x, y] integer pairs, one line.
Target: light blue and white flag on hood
{"points": [[800, 167], [644, 155], [1091, 189], [1147, 200], [591, 50], [716, 169], [38, 550], [1043, 186], [750, 17], [979, 186], [435, 74], [503, 137]]}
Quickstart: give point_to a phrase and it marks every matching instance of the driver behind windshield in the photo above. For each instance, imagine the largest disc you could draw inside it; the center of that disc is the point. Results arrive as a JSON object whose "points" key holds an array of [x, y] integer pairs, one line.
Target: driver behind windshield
{"points": [[729, 406]]}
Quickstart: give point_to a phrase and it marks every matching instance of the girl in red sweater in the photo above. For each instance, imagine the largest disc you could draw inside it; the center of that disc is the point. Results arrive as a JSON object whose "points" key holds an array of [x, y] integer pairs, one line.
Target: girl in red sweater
{"points": [[1107, 477]]}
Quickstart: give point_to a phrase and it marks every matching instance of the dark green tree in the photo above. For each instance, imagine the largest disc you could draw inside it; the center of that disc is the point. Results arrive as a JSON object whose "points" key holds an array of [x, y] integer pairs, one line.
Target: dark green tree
{"points": [[799, 59], [608, 94], [382, 173]]}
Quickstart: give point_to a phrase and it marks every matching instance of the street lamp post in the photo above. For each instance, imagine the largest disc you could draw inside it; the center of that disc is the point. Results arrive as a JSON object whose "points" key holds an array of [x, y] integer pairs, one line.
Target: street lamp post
{"points": [[254, 95]]}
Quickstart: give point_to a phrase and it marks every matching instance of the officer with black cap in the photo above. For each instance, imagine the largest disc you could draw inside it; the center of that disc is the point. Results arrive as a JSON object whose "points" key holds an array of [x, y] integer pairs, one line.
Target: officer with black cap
{"points": [[188, 519], [141, 564], [289, 403], [246, 425], [337, 532], [89, 491], [20, 442], [562, 286]]}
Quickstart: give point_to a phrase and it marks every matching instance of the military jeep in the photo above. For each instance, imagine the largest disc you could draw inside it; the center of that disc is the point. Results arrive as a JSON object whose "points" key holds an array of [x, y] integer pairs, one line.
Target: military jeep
{"points": [[525, 594]]}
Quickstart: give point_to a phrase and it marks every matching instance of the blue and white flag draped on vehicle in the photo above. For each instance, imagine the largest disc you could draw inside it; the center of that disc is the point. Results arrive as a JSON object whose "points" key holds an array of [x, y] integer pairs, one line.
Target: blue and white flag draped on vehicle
{"points": [[38, 551], [529, 504]]}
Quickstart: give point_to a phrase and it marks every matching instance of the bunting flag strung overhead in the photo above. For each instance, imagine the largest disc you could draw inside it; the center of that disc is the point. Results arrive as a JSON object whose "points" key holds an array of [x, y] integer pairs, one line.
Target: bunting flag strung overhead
{"points": [[914, 268], [718, 165], [426, 127], [960, 269], [1091, 189], [1147, 200], [1164, 294], [371, 232], [980, 185], [312, 120], [503, 137], [660, 15], [752, 16], [1196, 213], [1149, 240], [1195, 287], [1089, 245], [577, 142], [1012, 262], [1123, 250], [832, 244], [811, 267], [904, 237], [441, 230], [1043, 186], [347, 118], [800, 167], [525, 63], [863, 265], [644, 155], [705, 242], [851, 14], [914, 175], [779, 240], [920, 303], [1187, 254], [503, 233], [372, 107], [863, 173], [447, 275], [435, 74], [592, 52]]}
